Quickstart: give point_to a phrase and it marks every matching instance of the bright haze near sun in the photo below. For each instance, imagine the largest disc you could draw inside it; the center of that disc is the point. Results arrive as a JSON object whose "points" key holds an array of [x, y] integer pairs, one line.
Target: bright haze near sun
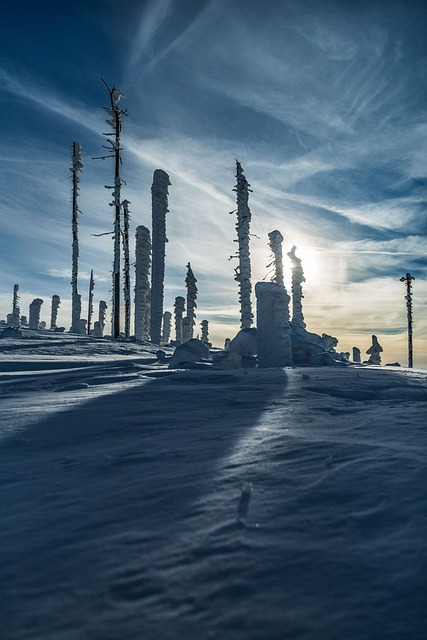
{"points": [[323, 103]]}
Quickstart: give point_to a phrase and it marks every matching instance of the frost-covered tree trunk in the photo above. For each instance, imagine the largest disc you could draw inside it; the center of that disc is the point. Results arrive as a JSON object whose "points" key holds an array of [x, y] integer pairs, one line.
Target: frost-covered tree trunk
{"points": [[167, 323], [34, 319], [126, 269], [408, 279], [297, 295], [179, 309], [90, 302], [159, 191], [102, 311], [205, 331], [243, 271], [14, 318], [190, 322], [273, 326], [76, 168], [275, 243], [56, 301], [142, 283]]}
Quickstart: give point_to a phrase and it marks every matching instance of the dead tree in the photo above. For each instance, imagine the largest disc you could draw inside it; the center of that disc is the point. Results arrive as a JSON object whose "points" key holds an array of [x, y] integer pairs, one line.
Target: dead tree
{"points": [[126, 268], [115, 115], [76, 168], [243, 271], [408, 279]]}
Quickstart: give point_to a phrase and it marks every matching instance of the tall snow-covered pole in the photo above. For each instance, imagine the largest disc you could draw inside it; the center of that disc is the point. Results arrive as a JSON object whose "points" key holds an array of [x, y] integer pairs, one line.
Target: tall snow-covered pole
{"points": [[126, 268], [76, 168], [90, 302], [159, 192], [115, 114], [408, 279], [243, 271], [142, 283]]}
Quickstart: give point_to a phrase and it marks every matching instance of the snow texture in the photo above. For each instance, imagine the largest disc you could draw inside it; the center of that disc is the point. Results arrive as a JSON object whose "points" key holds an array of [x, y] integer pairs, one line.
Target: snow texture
{"points": [[143, 502]]}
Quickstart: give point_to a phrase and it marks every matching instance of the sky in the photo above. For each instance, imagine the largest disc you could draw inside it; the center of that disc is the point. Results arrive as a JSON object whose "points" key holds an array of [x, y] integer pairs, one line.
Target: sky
{"points": [[323, 103]]}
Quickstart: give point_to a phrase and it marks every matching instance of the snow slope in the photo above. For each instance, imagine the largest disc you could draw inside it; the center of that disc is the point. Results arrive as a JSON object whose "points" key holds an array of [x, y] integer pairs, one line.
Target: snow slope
{"points": [[121, 483]]}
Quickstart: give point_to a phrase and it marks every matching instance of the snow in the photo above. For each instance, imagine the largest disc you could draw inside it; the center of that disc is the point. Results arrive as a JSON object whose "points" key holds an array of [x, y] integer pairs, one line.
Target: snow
{"points": [[144, 502]]}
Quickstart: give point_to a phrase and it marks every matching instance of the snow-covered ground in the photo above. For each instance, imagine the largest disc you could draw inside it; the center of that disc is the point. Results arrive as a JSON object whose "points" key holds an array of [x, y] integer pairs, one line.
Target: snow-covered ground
{"points": [[126, 511]]}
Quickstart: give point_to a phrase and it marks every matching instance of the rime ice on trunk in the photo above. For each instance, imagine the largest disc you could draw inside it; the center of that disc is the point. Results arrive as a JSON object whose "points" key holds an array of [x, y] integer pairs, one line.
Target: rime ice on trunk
{"points": [[90, 302], [297, 295], [243, 271], [101, 316], [190, 320], [76, 168], [275, 244], [13, 319], [167, 323], [56, 301], [126, 269], [142, 283], [356, 355], [273, 326], [374, 351], [35, 307], [205, 331], [159, 191], [179, 308]]}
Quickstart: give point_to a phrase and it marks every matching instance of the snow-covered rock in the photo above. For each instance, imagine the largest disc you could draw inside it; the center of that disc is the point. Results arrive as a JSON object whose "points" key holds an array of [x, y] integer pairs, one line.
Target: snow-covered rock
{"points": [[191, 351]]}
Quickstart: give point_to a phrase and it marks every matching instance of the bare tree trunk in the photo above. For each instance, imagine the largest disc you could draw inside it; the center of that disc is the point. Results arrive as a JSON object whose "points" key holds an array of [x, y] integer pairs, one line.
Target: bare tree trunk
{"points": [[159, 192], [243, 271], [115, 122], [126, 285], [76, 168], [408, 279]]}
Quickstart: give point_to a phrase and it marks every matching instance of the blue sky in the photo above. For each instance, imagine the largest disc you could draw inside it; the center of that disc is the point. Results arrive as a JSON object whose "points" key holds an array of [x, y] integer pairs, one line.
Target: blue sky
{"points": [[323, 103]]}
